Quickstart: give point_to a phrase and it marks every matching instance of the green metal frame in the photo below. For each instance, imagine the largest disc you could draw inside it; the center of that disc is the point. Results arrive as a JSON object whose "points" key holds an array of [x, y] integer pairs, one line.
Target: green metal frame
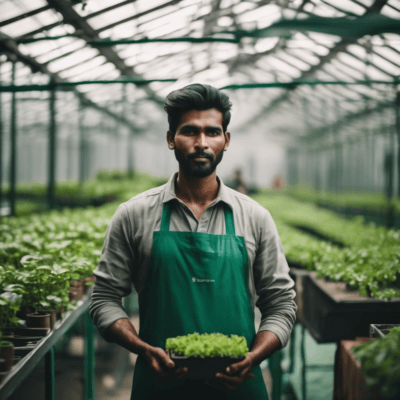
{"points": [[89, 359], [305, 367], [1, 142], [52, 149], [45, 348], [13, 150], [71, 85]]}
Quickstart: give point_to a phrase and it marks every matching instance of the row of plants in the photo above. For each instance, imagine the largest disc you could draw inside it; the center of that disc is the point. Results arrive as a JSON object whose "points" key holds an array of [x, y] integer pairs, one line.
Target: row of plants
{"points": [[111, 184], [45, 259], [350, 232], [362, 201], [380, 360], [369, 261]]}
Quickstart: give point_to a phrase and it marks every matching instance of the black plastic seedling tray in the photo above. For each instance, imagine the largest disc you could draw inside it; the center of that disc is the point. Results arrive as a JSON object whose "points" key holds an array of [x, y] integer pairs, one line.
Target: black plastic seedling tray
{"points": [[331, 320], [203, 368]]}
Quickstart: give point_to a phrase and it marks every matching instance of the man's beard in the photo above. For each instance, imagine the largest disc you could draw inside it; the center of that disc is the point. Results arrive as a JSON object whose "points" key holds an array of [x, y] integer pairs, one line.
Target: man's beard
{"points": [[199, 169]]}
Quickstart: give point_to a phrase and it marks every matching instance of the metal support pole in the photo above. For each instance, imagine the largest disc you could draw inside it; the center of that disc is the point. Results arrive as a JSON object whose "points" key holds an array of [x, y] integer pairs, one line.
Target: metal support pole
{"points": [[82, 143], [13, 133], [291, 349], [130, 136], [89, 362], [398, 139], [52, 147], [1, 145], [49, 375], [303, 364], [274, 363]]}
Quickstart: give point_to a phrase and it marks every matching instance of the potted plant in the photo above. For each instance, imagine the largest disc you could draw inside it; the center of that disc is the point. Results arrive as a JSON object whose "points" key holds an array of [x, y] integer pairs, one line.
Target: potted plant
{"points": [[9, 304], [205, 355], [45, 286]]}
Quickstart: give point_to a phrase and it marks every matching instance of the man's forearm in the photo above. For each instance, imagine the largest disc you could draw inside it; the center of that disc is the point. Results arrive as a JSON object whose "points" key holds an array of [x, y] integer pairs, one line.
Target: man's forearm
{"points": [[265, 344], [124, 333]]}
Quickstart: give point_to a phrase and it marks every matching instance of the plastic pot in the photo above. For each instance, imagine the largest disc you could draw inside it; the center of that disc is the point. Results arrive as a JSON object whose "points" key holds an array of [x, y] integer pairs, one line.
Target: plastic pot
{"points": [[53, 316], [88, 279], [203, 368], [76, 290], [24, 311], [7, 353], [38, 320], [59, 313]]}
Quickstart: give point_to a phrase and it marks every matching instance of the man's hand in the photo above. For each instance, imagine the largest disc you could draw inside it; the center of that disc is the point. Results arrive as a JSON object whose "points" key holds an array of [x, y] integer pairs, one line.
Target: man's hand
{"points": [[162, 367], [236, 373]]}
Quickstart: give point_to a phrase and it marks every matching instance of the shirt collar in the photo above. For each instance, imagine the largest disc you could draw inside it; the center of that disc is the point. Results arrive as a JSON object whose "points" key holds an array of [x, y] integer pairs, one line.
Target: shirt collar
{"points": [[223, 193]]}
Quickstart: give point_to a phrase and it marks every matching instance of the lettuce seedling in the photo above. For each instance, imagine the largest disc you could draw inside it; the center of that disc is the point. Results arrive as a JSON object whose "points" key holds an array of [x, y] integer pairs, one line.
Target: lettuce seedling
{"points": [[208, 345]]}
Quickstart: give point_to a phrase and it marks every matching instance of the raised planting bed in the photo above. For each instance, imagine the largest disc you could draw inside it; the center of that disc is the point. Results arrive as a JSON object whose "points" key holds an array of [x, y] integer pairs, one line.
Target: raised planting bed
{"points": [[298, 274], [380, 360], [349, 383], [207, 354], [332, 312]]}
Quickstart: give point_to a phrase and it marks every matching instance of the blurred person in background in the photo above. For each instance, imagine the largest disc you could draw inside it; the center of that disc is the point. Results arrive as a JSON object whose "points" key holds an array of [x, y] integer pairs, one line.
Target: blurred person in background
{"points": [[201, 257], [278, 183], [238, 182]]}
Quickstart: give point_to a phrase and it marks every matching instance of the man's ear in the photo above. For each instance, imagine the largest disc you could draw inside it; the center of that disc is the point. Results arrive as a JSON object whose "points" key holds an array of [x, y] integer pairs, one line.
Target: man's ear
{"points": [[227, 140], [170, 140]]}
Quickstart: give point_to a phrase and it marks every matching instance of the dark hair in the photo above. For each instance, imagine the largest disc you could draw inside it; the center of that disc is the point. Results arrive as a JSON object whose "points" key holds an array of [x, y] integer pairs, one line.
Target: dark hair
{"points": [[196, 97]]}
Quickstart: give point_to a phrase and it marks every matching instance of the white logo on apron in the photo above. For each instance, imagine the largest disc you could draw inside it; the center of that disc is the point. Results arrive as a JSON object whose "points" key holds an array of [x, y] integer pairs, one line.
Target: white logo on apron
{"points": [[202, 280]]}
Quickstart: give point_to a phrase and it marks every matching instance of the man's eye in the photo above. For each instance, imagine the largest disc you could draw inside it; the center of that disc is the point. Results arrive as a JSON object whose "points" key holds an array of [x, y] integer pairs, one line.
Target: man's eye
{"points": [[213, 133]]}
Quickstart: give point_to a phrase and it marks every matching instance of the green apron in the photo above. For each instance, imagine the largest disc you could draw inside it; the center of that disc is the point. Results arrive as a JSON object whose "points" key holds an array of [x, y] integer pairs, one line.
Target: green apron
{"points": [[197, 282]]}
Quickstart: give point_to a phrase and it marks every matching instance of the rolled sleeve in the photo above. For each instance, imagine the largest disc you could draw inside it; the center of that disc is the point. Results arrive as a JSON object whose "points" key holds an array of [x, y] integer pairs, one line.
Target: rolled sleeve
{"points": [[113, 274], [274, 286]]}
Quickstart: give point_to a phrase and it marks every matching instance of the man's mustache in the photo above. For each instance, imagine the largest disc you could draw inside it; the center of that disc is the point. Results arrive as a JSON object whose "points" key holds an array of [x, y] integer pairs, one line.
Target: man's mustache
{"points": [[204, 154]]}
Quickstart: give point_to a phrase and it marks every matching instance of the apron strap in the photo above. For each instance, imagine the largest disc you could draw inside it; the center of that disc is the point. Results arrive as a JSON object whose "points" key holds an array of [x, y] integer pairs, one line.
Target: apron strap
{"points": [[230, 226], [166, 219]]}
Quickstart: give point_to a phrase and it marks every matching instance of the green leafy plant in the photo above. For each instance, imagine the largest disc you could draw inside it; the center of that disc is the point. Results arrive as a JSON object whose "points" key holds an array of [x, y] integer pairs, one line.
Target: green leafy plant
{"points": [[208, 345], [380, 360], [9, 305], [369, 261]]}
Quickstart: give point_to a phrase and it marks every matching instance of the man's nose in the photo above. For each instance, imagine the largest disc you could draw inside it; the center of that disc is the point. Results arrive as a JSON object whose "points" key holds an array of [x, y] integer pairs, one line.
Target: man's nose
{"points": [[201, 141]]}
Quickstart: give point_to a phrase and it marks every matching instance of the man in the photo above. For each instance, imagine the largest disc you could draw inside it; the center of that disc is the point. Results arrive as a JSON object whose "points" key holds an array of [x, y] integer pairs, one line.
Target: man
{"points": [[199, 255]]}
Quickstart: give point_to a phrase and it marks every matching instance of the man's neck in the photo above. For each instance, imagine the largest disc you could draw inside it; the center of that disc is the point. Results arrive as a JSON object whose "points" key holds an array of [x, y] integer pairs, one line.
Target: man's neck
{"points": [[200, 191]]}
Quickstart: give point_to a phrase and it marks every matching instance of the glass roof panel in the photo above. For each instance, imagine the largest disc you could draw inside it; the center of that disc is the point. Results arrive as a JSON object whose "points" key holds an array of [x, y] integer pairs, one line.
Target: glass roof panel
{"points": [[253, 60], [391, 12], [73, 59], [94, 6], [112, 16]]}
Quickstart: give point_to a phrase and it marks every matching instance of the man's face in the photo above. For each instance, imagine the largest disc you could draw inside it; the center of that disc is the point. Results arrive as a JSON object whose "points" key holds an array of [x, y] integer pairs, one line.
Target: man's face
{"points": [[199, 142]]}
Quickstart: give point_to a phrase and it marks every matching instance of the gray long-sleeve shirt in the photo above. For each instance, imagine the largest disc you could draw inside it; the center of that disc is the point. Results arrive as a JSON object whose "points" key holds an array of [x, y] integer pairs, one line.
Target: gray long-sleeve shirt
{"points": [[127, 247]]}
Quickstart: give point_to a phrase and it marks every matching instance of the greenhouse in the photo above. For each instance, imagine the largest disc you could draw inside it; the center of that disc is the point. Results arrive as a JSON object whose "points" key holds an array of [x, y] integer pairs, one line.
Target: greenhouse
{"points": [[258, 260]]}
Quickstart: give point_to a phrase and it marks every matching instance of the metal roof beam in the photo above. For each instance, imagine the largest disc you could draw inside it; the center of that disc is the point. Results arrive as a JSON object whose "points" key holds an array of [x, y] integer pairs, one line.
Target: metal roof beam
{"points": [[10, 48], [87, 33], [136, 16], [335, 127], [376, 7], [24, 15]]}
